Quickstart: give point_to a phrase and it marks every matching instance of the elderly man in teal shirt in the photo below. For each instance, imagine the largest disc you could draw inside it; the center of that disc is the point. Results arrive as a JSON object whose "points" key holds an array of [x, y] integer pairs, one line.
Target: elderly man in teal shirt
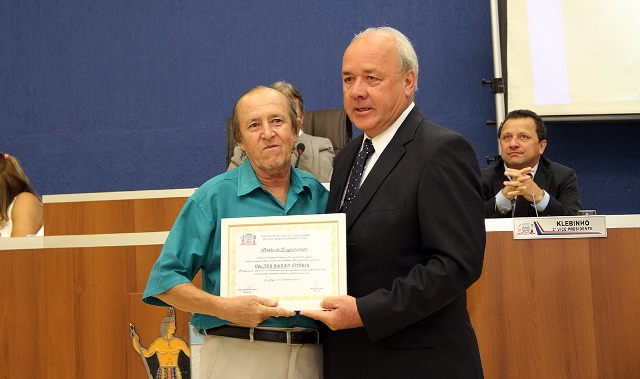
{"points": [[246, 336]]}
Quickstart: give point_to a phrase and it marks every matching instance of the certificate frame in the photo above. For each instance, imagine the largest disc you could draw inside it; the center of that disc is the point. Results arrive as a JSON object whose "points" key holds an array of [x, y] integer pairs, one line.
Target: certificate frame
{"points": [[297, 260]]}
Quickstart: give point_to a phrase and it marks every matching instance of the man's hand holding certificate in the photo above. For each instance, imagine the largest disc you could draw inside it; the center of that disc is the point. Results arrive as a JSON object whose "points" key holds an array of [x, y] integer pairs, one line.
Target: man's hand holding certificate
{"points": [[296, 260]]}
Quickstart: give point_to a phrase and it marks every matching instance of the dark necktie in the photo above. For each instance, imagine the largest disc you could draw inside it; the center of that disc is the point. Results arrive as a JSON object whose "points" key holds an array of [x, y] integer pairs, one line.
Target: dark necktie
{"points": [[356, 174], [523, 208]]}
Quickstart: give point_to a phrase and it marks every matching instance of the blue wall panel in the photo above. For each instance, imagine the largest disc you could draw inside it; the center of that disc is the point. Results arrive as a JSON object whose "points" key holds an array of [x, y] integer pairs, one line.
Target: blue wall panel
{"points": [[118, 95]]}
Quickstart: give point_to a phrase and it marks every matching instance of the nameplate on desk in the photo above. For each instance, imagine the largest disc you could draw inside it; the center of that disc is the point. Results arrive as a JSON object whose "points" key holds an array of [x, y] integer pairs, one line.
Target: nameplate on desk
{"points": [[559, 227]]}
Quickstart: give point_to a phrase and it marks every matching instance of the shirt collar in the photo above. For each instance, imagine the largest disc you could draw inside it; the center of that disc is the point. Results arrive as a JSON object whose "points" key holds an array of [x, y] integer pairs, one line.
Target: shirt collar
{"points": [[297, 184], [381, 141]]}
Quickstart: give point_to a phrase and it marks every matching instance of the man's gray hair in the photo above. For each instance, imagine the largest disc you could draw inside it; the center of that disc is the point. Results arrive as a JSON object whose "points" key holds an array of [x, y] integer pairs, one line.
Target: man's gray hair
{"points": [[404, 47]]}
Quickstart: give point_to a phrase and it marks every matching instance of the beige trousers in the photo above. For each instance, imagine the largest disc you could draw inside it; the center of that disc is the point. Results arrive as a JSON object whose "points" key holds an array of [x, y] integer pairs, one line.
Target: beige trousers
{"points": [[225, 357]]}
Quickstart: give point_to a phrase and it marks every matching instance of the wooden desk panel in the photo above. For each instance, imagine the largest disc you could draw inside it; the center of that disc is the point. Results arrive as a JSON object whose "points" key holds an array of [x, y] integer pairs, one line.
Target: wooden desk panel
{"points": [[615, 267], [563, 308], [66, 309], [113, 216], [21, 303]]}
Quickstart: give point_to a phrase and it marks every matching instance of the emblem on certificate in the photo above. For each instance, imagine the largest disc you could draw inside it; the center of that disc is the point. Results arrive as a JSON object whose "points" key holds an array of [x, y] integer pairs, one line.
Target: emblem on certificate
{"points": [[296, 260]]}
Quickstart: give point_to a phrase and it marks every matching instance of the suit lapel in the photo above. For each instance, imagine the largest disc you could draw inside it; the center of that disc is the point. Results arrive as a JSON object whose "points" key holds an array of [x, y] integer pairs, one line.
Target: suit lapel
{"points": [[499, 178], [341, 171], [385, 164], [543, 174]]}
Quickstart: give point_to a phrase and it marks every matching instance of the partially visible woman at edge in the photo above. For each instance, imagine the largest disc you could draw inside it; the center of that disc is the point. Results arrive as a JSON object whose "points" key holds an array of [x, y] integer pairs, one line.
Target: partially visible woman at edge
{"points": [[20, 206]]}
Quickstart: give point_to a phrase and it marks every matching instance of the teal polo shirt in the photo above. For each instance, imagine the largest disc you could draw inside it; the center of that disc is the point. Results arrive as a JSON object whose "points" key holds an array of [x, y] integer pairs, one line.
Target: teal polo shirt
{"points": [[194, 241]]}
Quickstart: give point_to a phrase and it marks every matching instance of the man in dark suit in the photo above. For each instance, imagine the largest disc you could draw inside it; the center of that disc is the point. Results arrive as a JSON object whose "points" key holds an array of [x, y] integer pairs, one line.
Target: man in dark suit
{"points": [[523, 177], [415, 228]]}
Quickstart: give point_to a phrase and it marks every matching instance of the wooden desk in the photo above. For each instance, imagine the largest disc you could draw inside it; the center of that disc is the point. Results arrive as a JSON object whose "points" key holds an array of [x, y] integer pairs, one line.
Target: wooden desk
{"points": [[112, 212], [67, 298], [561, 308]]}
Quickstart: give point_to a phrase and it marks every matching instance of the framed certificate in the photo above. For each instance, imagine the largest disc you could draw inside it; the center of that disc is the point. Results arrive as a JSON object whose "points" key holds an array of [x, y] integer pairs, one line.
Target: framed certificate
{"points": [[296, 260]]}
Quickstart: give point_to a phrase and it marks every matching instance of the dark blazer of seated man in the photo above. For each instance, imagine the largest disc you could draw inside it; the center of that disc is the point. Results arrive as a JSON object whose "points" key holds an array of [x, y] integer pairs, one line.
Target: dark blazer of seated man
{"points": [[522, 171]]}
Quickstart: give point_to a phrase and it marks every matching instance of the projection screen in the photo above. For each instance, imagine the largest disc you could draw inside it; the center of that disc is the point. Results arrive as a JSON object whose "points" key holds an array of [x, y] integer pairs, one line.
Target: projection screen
{"points": [[574, 58]]}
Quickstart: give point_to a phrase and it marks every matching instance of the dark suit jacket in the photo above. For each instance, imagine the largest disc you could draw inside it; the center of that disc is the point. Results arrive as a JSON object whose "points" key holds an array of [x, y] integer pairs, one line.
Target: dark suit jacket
{"points": [[415, 243], [559, 181]]}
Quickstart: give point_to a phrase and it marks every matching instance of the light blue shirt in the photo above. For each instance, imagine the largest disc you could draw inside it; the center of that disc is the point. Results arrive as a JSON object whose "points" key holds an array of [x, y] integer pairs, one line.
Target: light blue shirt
{"points": [[194, 240]]}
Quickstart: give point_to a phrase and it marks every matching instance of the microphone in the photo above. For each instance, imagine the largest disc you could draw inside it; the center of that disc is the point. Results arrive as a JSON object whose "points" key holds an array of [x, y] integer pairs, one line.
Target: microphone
{"points": [[492, 158], [300, 149], [535, 206]]}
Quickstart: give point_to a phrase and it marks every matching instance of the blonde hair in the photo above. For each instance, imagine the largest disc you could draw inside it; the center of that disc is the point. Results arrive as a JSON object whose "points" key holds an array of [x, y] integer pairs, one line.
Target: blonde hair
{"points": [[13, 182]]}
